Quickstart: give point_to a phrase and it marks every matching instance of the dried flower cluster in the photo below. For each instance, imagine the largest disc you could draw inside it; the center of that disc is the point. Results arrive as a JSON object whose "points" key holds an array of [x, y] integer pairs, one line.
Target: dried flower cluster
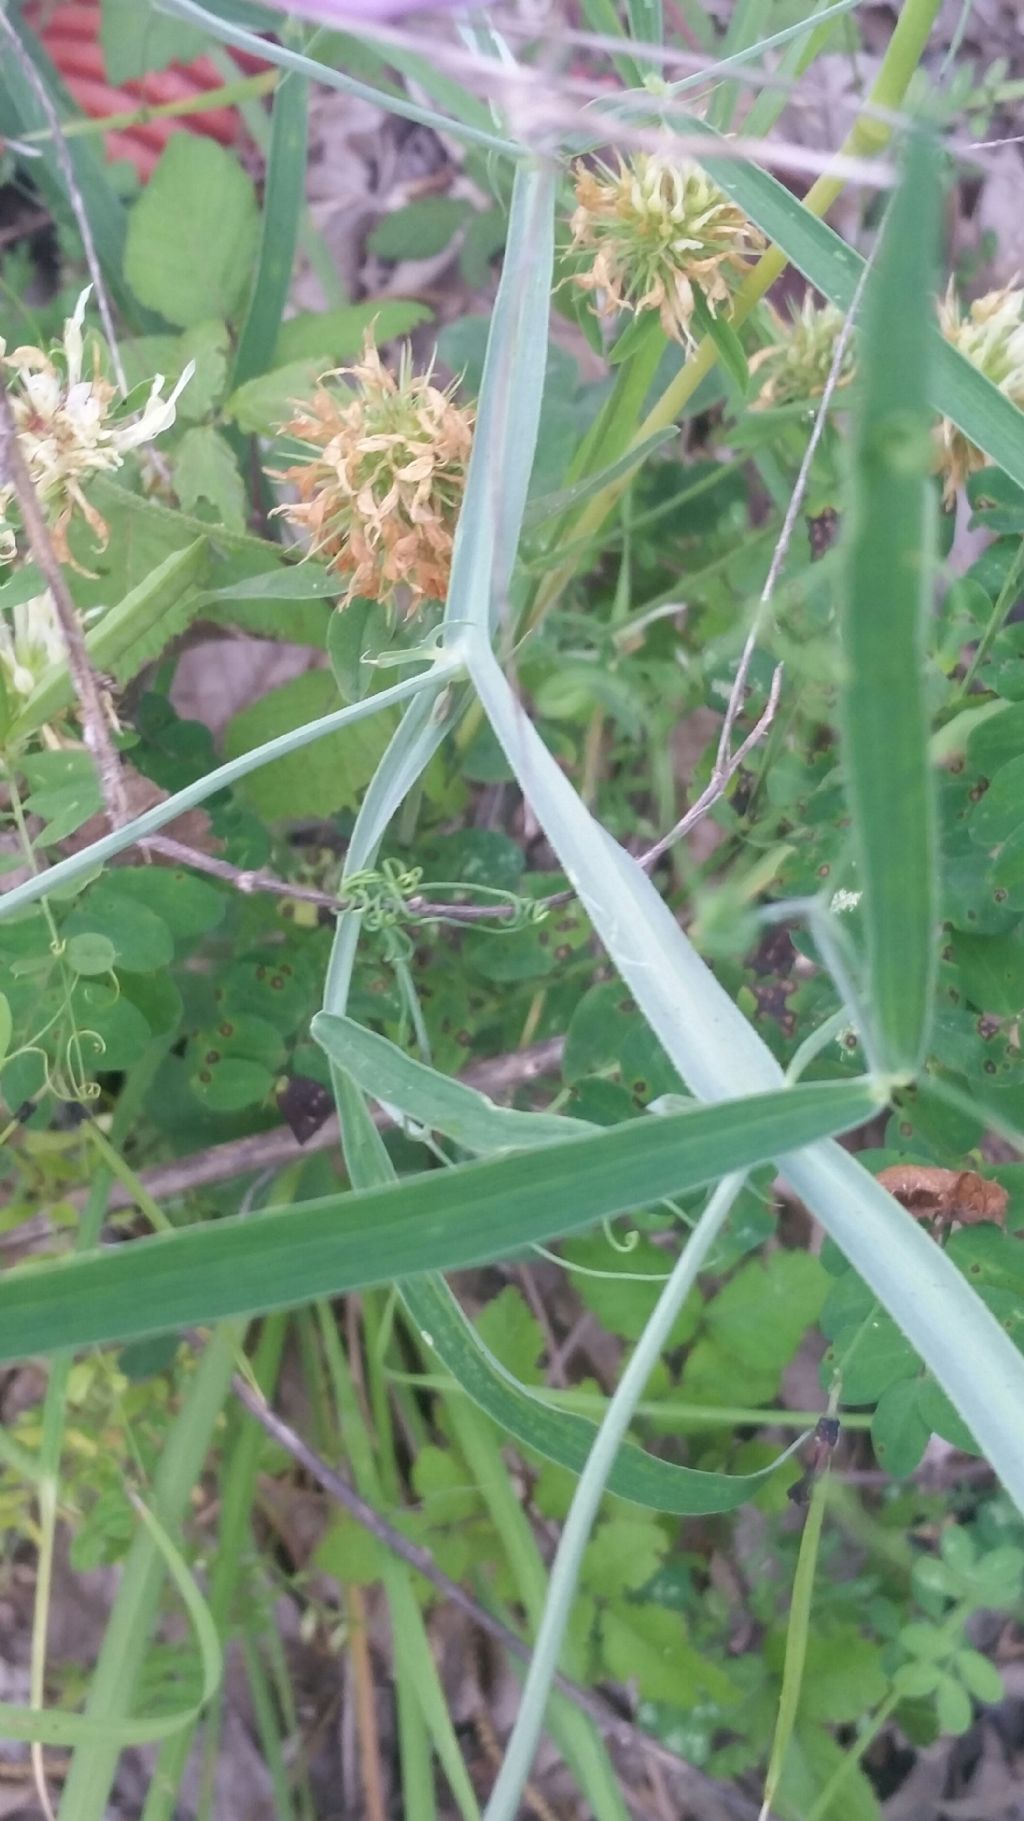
{"points": [[799, 361], [380, 489], [991, 336], [656, 228], [69, 429]]}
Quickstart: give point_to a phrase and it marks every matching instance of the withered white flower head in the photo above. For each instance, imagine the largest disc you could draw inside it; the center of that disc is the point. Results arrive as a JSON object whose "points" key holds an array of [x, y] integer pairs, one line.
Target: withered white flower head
{"points": [[656, 227], [68, 429], [798, 363], [30, 641], [991, 337]]}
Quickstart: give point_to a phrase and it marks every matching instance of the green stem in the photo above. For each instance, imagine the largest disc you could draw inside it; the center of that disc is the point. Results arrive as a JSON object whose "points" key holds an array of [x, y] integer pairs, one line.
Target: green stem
{"points": [[797, 1632], [504, 1804], [853, 1757], [1004, 601], [230, 94]]}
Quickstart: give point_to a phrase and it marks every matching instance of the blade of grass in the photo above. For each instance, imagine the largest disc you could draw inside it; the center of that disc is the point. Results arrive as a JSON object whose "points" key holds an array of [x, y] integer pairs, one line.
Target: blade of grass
{"points": [[504, 1801], [239, 1468], [410, 1639], [270, 52], [114, 1680], [508, 413], [797, 1632], [369, 1165], [883, 711], [557, 1434], [441, 1220], [574, 1732], [284, 199]]}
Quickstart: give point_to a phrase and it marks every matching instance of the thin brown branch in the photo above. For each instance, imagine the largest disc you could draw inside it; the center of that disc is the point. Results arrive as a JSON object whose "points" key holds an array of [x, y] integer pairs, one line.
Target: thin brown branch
{"points": [[14, 472], [75, 198], [720, 778], [614, 1725], [727, 762], [423, 910]]}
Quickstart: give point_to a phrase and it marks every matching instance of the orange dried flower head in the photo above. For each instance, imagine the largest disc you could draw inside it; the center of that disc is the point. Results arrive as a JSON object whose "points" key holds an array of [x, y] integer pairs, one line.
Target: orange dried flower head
{"points": [[380, 489], [991, 336], [656, 227]]}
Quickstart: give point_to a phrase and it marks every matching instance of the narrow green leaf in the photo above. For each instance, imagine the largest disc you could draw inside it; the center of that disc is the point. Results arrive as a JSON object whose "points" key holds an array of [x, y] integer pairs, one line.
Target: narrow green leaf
{"points": [[883, 712], [552, 505], [289, 582], [442, 1220], [129, 635], [284, 198], [558, 1434], [725, 338], [511, 392], [394, 1079]]}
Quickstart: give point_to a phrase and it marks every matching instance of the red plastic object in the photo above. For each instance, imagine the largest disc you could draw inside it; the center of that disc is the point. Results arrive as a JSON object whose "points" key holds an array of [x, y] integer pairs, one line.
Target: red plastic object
{"points": [[71, 36]]}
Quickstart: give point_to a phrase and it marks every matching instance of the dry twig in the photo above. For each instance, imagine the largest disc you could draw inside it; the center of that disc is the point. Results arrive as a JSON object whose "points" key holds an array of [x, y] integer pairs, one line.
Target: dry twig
{"points": [[728, 762]]}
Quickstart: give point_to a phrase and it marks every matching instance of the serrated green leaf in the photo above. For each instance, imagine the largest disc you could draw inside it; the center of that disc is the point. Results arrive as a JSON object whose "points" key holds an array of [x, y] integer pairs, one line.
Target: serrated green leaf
{"points": [[899, 1433], [198, 197], [843, 1676], [260, 406], [337, 335], [130, 635], [622, 1556], [320, 780], [508, 1328], [647, 1645], [206, 476], [419, 230]]}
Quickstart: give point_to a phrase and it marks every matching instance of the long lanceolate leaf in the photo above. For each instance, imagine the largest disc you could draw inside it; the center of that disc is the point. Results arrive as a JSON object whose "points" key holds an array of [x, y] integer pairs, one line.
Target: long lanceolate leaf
{"points": [[717, 1051], [444, 1220], [509, 411], [558, 1434], [883, 712]]}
